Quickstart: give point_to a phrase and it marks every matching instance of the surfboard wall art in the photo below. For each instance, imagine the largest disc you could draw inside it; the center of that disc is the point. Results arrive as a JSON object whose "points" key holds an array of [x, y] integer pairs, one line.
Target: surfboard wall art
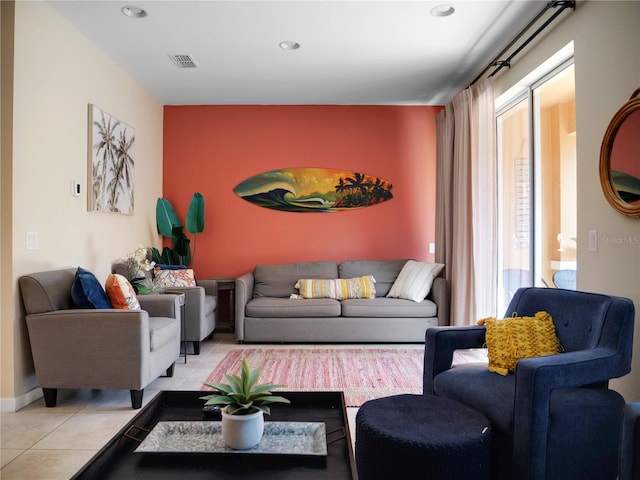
{"points": [[314, 190]]}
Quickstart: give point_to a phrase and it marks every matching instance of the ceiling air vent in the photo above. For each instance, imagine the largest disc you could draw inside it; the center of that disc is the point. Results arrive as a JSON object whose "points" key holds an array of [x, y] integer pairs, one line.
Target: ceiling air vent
{"points": [[183, 61]]}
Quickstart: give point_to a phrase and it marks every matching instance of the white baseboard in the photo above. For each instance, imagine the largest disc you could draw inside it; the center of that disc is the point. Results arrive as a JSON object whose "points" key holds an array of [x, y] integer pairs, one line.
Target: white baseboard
{"points": [[8, 405]]}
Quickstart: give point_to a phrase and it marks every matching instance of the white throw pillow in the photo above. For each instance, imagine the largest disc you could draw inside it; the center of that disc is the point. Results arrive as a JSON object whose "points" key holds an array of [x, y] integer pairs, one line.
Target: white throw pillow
{"points": [[414, 280]]}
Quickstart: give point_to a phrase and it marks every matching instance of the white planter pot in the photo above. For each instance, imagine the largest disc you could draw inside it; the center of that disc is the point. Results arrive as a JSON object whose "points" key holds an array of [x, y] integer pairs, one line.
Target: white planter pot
{"points": [[242, 432]]}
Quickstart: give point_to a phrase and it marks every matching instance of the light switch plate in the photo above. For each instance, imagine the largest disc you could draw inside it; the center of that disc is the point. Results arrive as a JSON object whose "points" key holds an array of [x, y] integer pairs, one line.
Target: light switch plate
{"points": [[32, 240], [75, 188], [593, 240]]}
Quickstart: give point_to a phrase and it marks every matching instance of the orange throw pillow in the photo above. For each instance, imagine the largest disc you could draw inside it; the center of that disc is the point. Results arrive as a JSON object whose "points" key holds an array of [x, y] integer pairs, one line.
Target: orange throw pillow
{"points": [[121, 293]]}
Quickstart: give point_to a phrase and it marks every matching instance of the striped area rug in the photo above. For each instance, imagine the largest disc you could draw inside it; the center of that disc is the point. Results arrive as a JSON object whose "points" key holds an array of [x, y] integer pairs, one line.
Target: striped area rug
{"points": [[361, 373]]}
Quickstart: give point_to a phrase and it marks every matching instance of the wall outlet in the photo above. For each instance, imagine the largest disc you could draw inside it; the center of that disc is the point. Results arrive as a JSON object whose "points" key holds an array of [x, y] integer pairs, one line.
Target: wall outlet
{"points": [[432, 247]]}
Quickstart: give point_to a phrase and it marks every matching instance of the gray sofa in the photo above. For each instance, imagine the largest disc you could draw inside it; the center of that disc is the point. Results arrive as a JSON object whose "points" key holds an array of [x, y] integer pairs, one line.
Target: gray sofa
{"points": [[264, 311]]}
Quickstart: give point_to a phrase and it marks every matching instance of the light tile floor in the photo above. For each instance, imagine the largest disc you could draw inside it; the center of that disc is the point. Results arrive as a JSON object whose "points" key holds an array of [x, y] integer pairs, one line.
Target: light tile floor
{"points": [[53, 443]]}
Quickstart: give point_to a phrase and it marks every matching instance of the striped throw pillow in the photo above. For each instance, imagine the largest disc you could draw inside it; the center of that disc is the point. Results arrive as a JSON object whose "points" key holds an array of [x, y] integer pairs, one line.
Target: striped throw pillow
{"points": [[414, 280], [338, 288]]}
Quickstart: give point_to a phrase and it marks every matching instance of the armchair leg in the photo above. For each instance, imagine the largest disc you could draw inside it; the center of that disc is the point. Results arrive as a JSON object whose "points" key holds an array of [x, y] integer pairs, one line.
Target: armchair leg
{"points": [[170, 370], [196, 348], [136, 398], [50, 396]]}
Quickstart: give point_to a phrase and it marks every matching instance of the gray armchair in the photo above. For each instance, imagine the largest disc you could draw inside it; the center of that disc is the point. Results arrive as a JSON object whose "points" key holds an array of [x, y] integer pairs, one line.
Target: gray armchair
{"points": [[97, 348], [200, 304], [199, 311], [555, 418]]}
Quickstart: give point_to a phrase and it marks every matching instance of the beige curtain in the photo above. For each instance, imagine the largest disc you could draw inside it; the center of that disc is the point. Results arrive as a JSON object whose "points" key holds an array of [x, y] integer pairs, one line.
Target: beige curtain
{"points": [[466, 204]]}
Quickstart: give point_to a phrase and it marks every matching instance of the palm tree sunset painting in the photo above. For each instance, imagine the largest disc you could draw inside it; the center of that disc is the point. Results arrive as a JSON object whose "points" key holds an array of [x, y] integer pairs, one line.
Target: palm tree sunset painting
{"points": [[111, 163], [314, 190]]}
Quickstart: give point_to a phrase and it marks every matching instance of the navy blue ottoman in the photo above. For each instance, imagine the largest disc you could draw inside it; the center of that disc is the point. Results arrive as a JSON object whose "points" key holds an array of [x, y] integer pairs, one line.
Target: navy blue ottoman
{"points": [[411, 436]]}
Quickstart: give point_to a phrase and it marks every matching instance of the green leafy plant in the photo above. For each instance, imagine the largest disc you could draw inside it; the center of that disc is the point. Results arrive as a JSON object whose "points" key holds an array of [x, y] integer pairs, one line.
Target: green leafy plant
{"points": [[242, 395], [169, 226], [135, 267]]}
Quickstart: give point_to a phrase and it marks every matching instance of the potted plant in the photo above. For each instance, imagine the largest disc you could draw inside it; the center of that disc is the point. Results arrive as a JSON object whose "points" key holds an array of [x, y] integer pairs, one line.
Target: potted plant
{"points": [[137, 267], [169, 226], [244, 403]]}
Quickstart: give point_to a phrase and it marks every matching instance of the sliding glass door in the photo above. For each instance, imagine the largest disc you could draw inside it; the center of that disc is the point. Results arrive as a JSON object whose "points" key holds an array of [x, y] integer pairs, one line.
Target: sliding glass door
{"points": [[537, 186], [515, 254]]}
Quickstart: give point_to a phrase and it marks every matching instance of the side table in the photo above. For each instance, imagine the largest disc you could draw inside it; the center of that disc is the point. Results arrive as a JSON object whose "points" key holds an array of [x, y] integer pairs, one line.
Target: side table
{"points": [[226, 303]]}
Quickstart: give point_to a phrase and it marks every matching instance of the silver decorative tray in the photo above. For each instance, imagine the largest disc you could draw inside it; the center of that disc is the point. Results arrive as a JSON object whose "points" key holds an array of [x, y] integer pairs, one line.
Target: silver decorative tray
{"points": [[280, 438]]}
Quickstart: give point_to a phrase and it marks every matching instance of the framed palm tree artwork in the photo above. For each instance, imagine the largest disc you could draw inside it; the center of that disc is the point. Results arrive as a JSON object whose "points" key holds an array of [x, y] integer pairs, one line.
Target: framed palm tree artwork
{"points": [[111, 163]]}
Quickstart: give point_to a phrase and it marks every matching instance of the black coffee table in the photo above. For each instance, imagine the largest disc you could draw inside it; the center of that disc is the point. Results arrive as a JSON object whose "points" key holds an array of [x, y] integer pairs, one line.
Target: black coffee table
{"points": [[117, 459]]}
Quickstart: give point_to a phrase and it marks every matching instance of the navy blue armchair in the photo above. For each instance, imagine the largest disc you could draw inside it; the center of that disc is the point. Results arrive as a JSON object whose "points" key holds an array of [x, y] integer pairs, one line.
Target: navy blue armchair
{"points": [[630, 448], [555, 417]]}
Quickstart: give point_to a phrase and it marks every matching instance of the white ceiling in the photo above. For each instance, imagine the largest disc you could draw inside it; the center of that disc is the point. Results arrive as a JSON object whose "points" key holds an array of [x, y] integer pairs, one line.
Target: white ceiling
{"points": [[352, 52]]}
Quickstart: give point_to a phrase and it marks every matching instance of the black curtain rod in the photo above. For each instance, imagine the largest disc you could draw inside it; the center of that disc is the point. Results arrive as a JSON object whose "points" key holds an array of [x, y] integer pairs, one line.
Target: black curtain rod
{"points": [[500, 64]]}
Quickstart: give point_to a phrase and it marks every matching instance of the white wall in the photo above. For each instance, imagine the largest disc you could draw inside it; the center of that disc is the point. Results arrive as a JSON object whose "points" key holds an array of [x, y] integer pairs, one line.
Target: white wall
{"points": [[58, 72], [607, 67]]}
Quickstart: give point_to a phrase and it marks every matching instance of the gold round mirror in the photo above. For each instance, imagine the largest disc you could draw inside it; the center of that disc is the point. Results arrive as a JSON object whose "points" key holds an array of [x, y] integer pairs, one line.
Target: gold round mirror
{"points": [[620, 159]]}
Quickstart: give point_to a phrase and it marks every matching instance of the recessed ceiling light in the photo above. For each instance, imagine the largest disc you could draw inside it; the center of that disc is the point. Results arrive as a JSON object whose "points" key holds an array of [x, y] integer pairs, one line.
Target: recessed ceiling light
{"points": [[133, 11], [289, 45], [442, 11]]}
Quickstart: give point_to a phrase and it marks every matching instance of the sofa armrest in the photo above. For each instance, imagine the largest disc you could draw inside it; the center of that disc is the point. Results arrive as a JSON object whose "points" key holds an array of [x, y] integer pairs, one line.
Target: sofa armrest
{"points": [[210, 286], [440, 343], [193, 304], [74, 348], [160, 305], [441, 297], [244, 293], [537, 377]]}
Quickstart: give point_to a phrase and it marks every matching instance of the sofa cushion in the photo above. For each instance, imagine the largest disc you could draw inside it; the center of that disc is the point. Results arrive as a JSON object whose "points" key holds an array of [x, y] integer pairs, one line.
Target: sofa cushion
{"points": [[414, 280], [121, 293], [338, 288], [210, 303], [279, 280], [47, 291], [87, 292], [382, 307], [475, 386], [162, 330], [384, 271], [285, 307]]}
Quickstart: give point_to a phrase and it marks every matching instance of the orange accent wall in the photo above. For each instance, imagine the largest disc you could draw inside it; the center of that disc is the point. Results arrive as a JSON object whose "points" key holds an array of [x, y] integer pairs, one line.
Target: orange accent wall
{"points": [[211, 149]]}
